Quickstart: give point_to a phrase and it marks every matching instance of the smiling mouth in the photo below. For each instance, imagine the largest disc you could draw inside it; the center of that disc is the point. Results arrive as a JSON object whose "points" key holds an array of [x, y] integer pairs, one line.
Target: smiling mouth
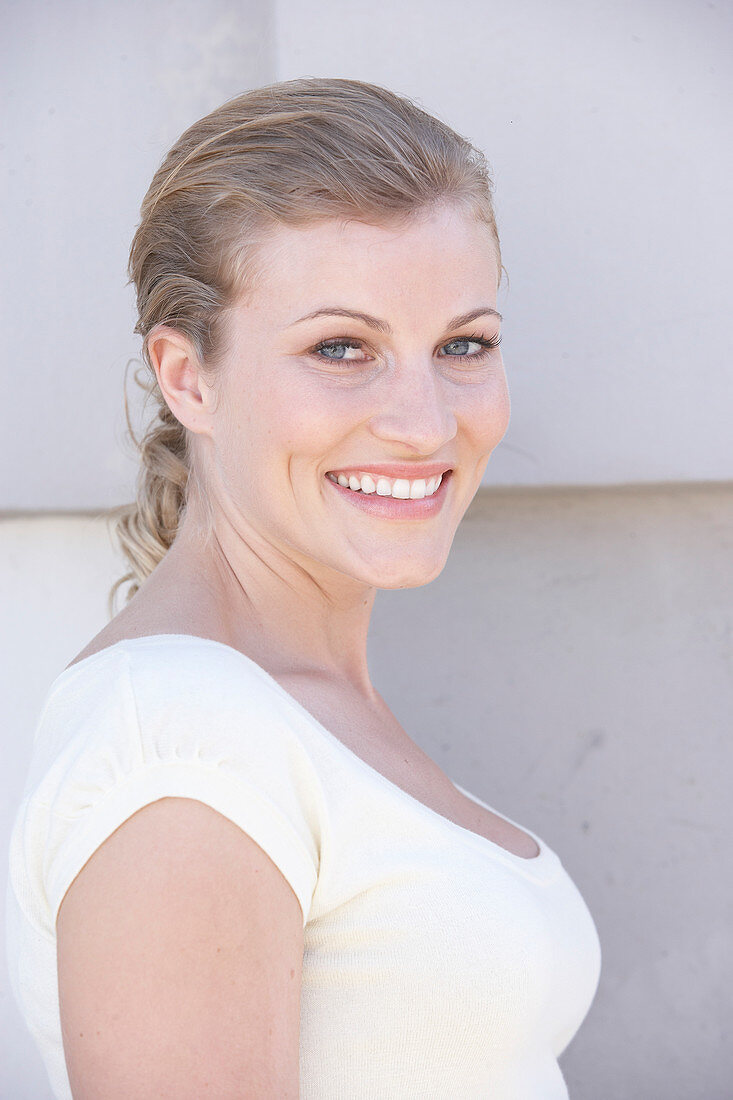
{"points": [[401, 488]]}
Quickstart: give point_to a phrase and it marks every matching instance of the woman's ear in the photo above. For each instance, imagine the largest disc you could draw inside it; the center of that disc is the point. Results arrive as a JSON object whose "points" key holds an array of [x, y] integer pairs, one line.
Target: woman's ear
{"points": [[180, 377]]}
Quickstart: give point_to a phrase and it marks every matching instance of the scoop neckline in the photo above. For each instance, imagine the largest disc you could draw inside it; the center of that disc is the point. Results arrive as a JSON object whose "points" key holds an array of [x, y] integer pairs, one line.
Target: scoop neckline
{"points": [[526, 862]]}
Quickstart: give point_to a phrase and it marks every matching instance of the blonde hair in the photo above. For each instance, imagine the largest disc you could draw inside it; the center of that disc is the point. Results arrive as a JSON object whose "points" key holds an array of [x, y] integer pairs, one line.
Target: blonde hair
{"points": [[290, 153]]}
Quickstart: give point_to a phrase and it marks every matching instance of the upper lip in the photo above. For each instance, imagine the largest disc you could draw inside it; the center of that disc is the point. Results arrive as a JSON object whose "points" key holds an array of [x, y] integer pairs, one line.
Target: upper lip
{"points": [[412, 471]]}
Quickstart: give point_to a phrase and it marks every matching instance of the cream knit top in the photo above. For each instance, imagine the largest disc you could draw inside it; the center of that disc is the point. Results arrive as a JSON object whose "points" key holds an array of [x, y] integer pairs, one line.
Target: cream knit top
{"points": [[437, 965]]}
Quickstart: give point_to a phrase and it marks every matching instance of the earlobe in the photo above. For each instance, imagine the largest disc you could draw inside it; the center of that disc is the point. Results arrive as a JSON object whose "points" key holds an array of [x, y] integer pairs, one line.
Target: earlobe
{"points": [[179, 376]]}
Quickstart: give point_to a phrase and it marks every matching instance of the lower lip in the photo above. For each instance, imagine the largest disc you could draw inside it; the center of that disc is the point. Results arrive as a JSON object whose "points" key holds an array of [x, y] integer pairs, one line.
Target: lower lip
{"points": [[393, 507]]}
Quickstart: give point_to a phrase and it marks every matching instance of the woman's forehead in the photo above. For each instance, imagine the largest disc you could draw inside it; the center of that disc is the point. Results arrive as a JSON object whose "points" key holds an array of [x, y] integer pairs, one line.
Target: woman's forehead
{"points": [[304, 269]]}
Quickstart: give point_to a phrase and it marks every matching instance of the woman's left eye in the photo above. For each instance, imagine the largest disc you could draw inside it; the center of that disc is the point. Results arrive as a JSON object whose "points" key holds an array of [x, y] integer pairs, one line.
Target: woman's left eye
{"points": [[460, 347]]}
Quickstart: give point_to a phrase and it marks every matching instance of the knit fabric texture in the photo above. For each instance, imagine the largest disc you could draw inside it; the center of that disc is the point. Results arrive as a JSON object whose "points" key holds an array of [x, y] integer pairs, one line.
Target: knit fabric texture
{"points": [[437, 965]]}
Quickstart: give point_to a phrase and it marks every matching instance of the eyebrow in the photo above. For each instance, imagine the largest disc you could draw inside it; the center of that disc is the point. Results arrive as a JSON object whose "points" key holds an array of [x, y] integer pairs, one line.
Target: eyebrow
{"points": [[382, 326]]}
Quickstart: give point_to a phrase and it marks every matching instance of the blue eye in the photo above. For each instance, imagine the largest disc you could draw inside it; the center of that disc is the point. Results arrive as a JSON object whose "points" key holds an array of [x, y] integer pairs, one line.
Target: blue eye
{"points": [[461, 344], [339, 348]]}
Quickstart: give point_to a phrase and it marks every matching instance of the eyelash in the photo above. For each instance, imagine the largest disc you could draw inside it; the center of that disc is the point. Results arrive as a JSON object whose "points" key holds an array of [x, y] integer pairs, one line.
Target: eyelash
{"points": [[475, 338]]}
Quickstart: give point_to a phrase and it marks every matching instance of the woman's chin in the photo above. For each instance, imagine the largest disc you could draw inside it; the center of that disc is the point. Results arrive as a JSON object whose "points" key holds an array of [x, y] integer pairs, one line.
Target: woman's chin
{"points": [[408, 574]]}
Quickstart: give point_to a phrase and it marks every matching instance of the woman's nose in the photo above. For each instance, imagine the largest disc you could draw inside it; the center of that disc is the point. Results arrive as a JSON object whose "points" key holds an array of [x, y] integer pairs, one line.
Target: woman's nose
{"points": [[415, 410]]}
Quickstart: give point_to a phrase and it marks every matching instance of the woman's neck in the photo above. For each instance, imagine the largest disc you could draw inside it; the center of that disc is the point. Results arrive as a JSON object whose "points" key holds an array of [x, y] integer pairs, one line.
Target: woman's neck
{"points": [[291, 616]]}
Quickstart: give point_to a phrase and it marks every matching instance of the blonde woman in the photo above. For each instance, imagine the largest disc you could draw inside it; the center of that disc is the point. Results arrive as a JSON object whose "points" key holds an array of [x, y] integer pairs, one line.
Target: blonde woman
{"points": [[233, 873]]}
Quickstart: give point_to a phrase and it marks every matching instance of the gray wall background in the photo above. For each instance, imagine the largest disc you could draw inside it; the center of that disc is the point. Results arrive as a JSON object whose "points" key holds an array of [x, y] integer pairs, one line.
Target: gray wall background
{"points": [[573, 663]]}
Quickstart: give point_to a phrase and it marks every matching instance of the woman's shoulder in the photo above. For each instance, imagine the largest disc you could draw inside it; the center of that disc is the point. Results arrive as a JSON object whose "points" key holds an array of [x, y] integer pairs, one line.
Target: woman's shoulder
{"points": [[188, 660], [167, 689], [165, 699], [168, 715]]}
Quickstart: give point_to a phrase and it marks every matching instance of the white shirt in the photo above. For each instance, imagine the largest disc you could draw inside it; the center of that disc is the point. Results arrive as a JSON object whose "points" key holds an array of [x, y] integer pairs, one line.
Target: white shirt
{"points": [[437, 965]]}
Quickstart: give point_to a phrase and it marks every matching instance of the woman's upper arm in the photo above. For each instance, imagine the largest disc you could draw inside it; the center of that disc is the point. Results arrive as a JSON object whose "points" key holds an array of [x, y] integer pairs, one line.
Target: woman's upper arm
{"points": [[180, 948]]}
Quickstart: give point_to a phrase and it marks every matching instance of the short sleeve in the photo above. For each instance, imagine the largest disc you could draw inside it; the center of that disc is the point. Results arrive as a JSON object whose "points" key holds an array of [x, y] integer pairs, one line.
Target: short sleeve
{"points": [[139, 725]]}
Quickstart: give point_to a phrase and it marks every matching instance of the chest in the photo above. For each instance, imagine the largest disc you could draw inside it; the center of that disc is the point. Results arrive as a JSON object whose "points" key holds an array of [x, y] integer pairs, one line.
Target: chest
{"points": [[448, 955], [372, 733]]}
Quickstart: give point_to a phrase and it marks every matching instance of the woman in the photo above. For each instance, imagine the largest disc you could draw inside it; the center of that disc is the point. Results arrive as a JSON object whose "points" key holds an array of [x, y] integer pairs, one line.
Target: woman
{"points": [[233, 872]]}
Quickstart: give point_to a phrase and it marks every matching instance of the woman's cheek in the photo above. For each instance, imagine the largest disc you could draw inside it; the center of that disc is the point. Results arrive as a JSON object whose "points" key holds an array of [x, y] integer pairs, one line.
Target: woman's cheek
{"points": [[318, 417], [484, 413]]}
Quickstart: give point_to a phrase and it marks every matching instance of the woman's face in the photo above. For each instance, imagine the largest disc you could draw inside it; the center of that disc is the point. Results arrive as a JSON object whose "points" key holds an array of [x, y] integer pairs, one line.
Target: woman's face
{"points": [[365, 355]]}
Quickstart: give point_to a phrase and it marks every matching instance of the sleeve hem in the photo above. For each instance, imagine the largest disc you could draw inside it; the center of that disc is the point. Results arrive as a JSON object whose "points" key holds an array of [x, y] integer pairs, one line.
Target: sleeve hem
{"points": [[242, 804]]}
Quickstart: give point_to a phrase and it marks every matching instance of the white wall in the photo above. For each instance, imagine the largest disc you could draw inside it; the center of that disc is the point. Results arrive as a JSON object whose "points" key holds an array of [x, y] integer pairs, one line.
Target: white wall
{"points": [[93, 95]]}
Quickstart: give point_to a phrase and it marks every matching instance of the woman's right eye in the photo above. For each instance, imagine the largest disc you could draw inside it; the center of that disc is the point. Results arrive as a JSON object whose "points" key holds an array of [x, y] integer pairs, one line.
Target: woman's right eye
{"points": [[339, 350]]}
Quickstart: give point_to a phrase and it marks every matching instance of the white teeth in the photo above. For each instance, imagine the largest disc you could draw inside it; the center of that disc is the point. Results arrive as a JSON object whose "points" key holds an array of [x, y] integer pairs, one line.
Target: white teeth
{"points": [[400, 488]]}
